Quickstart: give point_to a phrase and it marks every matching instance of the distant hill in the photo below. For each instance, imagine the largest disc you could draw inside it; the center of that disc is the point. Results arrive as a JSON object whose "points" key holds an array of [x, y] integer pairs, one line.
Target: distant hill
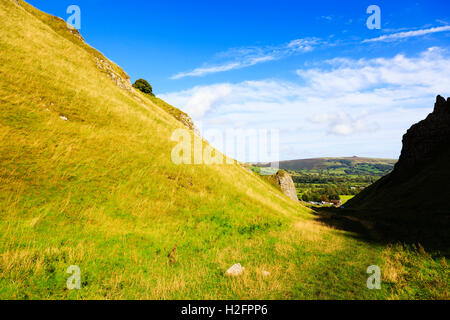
{"points": [[343, 165]]}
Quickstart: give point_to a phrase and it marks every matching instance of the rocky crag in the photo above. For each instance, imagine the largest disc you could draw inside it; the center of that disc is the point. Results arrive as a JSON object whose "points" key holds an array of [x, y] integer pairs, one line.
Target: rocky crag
{"points": [[286, 184], [425, 140], [419, 184]]}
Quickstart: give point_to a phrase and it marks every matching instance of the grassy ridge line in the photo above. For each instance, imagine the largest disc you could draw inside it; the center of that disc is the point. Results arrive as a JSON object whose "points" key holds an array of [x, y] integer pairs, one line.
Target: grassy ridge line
{"points": [[324, 163], [63, 29], [100, 191]]}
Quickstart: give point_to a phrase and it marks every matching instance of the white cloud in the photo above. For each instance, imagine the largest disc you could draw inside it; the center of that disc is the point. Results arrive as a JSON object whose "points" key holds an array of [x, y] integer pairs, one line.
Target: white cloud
{"points": [[207, 70], [302, 45], [344, 124], [199, 100], [342, 107], [237, 58], [349, 75], [408, 34]]}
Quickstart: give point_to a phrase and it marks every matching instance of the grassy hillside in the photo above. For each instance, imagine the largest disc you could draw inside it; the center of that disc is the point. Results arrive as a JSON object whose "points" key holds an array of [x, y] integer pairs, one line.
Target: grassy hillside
{"points": [[346, 165], [100, 191]]}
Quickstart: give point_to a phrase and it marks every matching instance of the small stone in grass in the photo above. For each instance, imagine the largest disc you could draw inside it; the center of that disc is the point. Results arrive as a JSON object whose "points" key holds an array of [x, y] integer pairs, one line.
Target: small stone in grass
{"points": [[235, 270], [63, 118]]}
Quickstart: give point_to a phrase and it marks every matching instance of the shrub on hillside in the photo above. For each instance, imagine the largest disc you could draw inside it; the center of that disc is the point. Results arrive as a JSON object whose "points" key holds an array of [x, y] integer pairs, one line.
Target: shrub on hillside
{"points": [[143, 86]]}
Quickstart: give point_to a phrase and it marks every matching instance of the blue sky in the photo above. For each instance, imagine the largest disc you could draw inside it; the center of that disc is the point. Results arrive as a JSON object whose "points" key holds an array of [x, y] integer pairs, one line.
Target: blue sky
{"points": [[311, 69]]}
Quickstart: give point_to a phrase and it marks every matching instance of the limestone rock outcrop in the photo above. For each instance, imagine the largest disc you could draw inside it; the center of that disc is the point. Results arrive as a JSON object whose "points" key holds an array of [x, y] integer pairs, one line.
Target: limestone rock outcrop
{"points": [[286, 184], [106, 67]]}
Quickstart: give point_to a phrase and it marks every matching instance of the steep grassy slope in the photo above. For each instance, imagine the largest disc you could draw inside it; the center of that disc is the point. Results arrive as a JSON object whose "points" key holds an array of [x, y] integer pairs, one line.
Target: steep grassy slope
{"points": [[100, 191]]}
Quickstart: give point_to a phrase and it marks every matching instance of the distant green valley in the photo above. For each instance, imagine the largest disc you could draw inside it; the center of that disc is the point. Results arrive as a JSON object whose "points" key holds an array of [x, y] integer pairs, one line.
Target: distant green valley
{"points": [[327, 179]]}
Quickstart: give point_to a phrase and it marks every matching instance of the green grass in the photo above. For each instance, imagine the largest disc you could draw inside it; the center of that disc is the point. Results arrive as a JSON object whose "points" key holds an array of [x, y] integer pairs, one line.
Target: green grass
{"points": [[100, 191], [345, 198]]}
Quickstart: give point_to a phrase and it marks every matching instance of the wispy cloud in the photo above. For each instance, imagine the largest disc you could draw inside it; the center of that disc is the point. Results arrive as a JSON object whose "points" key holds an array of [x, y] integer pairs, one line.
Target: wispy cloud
{"points": [[207, 70], [408, 34], [339, 107], [442, 21], [238, 58], [345, 124], [329, 18]]}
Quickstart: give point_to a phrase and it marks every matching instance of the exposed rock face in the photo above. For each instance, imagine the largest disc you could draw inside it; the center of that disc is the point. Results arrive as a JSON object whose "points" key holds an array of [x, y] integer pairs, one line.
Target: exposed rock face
{"points": [[75, 32], [419, 185], [286, 184], [425, 140], [187, 121], [108, 69]]}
